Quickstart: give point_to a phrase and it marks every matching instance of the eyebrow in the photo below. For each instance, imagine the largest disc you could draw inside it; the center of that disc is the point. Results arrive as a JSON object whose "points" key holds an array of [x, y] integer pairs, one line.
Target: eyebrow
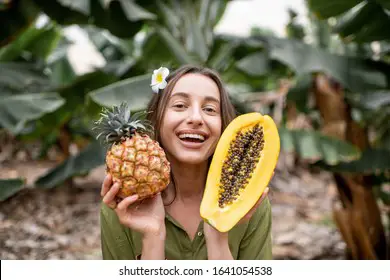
{"points": [[187, 96]]}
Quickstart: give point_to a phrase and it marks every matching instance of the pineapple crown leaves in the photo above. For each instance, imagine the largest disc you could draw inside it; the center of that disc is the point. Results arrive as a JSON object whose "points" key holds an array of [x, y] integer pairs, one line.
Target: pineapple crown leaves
{"points": [[118, 123]]}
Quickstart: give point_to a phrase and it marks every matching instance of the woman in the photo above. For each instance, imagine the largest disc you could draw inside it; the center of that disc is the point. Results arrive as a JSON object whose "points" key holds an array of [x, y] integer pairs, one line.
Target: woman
{"points": [[168, 226]]}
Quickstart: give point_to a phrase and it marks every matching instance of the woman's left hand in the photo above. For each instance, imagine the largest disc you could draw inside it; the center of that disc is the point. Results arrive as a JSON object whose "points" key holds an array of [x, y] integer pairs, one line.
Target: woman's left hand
{"points": [[217, 242], [209, 230], [247, 217]]}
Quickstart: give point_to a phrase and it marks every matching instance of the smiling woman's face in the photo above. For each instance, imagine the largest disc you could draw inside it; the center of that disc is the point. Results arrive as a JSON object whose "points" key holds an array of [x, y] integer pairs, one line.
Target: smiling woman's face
{"points": [[192, 125]]}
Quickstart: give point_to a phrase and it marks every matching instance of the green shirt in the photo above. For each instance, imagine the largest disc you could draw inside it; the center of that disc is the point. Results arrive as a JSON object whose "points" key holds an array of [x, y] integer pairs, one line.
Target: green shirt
{"points": [[247, 241]]}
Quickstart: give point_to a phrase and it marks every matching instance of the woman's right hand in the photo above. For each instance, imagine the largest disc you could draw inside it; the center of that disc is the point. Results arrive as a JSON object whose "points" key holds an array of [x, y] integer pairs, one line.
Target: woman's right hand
{"points": [[146, 217]]}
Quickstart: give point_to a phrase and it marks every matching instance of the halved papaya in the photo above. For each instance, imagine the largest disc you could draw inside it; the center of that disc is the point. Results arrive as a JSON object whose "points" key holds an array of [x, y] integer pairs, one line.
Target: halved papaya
{"points": [[241, 168]]}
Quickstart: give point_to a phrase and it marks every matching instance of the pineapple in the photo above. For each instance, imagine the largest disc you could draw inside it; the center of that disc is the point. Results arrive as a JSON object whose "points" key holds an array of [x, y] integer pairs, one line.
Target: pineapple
{"points": [[133, 159]]}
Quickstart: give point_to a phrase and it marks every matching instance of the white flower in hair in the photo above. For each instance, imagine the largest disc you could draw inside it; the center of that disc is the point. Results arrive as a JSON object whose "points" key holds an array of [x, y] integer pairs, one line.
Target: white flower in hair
{"points": [[158, 79]]}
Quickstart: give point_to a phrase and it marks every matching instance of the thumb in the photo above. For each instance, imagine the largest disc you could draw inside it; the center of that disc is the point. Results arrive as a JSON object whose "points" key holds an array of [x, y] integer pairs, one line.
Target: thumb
{"points": [[265, 192], [263, 195]]}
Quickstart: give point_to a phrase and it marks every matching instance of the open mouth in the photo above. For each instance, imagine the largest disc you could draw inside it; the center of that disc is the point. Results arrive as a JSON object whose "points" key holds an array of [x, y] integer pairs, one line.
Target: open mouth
{"points": [[192, 138]]}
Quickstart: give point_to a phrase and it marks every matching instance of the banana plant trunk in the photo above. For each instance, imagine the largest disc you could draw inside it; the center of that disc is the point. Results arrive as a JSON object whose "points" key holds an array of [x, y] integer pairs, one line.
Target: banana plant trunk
{"points": [[357, 213]]}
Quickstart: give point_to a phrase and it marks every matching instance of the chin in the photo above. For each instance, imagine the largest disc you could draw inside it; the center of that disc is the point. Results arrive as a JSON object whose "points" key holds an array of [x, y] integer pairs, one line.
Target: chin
{"points": [[192, 159], [190, 155]]}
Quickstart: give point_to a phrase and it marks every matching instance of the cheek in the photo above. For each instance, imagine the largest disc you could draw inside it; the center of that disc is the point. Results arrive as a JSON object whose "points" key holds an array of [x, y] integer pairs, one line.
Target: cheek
{"points": [[216, 127], [167, 128], [167, 121]]}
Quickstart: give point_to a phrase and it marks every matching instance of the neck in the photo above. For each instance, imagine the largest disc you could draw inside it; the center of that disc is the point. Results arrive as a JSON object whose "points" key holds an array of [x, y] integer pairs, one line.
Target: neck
{"points": [[189, 179]]}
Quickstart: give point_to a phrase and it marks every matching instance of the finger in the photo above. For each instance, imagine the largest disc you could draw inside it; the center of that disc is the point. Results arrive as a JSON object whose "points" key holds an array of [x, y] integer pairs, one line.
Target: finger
{"points": [[125, 203], [248, 215], [110, 195], [264, 194], [112, 204], [106, 185], [253, 209]]}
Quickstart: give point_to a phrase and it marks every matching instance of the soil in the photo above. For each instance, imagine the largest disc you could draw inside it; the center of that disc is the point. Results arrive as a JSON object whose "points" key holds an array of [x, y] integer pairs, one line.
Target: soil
{"points": [[63, 223]]}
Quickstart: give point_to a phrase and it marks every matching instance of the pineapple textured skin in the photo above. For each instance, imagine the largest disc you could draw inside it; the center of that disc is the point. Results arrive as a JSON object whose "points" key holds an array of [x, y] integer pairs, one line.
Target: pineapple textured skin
{"points": [[140, 165]]}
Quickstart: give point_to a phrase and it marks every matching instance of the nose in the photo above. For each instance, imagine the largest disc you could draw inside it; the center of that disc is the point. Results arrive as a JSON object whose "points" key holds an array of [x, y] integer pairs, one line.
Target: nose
{"points": [[195, 116]]}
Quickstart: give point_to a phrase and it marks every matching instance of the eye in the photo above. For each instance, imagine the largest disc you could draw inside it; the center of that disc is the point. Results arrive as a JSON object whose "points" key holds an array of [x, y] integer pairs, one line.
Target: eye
{"points": [[179, 106], [210, 110]]}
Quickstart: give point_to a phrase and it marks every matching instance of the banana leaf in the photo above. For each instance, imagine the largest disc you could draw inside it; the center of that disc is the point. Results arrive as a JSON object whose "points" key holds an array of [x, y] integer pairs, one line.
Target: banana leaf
{"points": [[123, 18], [357, 20], [91, 157], [16, 110], [356, 74], [135, 91], [9, 187], [331, 8], [39, 42], [256, 64], [372, 161], [314, 146], [15, 17], [16, 77]]}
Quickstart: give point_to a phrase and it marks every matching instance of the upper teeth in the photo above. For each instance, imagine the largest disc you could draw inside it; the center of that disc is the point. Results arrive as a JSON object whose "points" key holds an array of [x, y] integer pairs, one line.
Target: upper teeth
{"points": [[196, 136]]}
